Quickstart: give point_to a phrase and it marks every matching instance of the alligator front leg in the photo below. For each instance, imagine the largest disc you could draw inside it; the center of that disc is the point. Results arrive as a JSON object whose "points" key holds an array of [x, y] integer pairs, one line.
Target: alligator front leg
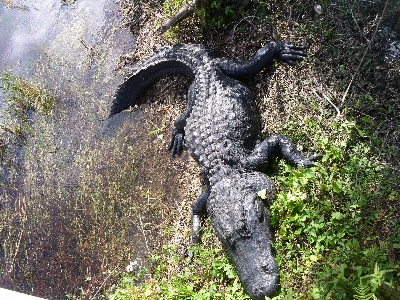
{"points": [[178, 133], [281, 50], [177, 139], [260, 156]]}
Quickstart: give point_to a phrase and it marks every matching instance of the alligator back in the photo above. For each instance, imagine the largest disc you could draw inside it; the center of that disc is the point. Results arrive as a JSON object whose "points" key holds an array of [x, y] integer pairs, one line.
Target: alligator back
{"points": [[222, 127]]}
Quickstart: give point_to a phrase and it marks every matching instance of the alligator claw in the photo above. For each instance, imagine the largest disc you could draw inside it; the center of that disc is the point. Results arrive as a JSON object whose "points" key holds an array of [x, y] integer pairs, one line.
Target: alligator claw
{"points": [[289, 53], [310, 160], [297, 48], [314, 157], [177, 143]]}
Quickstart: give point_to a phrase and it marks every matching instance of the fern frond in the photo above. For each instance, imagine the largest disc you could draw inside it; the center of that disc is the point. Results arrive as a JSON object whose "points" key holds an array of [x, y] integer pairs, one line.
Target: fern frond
{"points": [[363, 292]]}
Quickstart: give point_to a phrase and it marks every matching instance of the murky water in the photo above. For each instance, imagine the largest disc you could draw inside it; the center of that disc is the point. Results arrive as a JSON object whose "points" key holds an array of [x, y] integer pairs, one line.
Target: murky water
{"points": [[61, 213], [26, 28], [30, 29], [91, 194]]}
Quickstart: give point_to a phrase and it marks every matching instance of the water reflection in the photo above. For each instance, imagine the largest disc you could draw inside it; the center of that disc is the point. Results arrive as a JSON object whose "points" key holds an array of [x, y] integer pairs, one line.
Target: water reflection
{"points": [[28, 28]]}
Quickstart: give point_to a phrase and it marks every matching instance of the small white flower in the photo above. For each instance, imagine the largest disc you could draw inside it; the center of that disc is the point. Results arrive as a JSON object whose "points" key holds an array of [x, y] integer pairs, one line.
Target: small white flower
{"points": [[131, 266], [318, 8]]}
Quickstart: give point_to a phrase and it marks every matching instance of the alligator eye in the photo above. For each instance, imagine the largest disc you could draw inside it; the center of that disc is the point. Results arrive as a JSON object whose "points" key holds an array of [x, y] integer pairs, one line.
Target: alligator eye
{"points": [[225, 231], [243, 228]]}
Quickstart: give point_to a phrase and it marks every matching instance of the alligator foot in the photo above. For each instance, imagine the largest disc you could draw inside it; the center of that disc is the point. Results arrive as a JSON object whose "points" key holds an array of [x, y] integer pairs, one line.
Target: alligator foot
{"points": [[198, 211], [177, 142], [289, 53]]}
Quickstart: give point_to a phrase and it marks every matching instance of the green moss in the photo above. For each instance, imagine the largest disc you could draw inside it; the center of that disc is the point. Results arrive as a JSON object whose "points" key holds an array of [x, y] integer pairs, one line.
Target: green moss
{"points": [[24, 95]]}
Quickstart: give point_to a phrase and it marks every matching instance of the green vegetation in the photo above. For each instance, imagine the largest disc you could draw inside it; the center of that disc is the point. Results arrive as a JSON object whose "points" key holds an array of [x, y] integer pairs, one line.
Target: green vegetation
{"points": [[218, 15], [68, 2], [22, 99], [335, 226], [205, 274], [172, 6], [336, 223]]}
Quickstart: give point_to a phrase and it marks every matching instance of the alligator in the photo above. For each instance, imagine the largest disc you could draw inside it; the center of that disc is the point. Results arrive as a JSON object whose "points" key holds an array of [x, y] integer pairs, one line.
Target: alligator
{"points": [[221, 131]]}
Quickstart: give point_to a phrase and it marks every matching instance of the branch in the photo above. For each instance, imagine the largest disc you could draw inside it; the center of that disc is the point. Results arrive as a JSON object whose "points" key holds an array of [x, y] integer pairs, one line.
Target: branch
{"points": [[183, 13]]}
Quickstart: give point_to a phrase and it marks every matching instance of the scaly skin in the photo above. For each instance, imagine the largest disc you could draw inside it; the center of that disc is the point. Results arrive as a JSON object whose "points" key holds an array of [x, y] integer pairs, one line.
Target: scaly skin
{"points": [[220, 131]]}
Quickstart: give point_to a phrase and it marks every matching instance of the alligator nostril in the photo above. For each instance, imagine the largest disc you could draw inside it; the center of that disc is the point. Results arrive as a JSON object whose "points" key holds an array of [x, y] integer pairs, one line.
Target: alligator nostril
{"points": [[268, 269]]}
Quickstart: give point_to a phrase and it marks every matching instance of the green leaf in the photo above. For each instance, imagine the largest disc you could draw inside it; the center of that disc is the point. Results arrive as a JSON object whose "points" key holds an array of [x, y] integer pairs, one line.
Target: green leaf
{"points": [[337, 215], [148, 292], [313, 257], [337, 187]]}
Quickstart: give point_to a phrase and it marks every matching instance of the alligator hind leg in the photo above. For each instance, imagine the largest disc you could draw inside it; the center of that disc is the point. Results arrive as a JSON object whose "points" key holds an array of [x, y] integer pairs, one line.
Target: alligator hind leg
{"points": [[198, 210], [260, 156]]}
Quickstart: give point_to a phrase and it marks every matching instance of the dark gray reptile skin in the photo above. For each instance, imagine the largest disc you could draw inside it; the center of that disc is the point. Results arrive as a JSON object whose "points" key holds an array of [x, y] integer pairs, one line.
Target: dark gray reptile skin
{"points": [[221, 131]]}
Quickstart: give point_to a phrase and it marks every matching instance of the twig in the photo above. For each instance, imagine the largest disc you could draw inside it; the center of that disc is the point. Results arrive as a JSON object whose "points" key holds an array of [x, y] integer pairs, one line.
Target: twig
{"points": [[104, 281], [183, 13], [144, 234], [21, 233], [84, 44], [339, 114], [365, 53], [237, 24], [359, 29], [331, 103]]}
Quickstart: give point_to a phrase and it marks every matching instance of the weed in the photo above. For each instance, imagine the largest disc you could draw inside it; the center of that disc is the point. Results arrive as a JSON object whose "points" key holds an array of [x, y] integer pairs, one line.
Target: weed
{"points": [[172, 6], [319, 215], [68, 2], [323, 218], [23, 98]]}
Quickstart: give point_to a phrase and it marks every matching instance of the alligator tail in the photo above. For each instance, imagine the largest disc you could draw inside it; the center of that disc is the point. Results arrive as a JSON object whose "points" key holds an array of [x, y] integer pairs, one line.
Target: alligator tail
{"points": [[183, 59]]}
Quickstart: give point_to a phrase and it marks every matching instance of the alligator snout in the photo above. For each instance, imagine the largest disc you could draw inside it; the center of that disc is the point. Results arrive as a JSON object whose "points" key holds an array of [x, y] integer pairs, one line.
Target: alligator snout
{"points": [[255, 264], [241, 222]]}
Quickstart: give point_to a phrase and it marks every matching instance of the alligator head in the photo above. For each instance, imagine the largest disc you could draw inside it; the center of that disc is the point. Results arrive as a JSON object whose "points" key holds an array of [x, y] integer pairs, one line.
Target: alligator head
{"points": [[241, 221]]}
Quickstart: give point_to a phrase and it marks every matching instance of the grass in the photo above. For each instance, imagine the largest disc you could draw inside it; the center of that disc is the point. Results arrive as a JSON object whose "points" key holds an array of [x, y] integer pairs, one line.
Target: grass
{"points": [[208, 276], [23, 100], [81, 205], [331, 237]]}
